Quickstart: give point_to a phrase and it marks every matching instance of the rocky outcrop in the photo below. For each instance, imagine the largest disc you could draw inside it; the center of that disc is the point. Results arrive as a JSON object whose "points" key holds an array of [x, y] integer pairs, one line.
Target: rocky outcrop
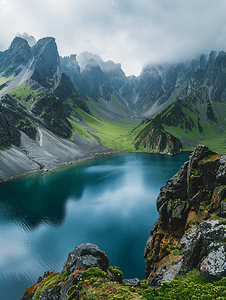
{"points": [[86, 267], [80, 259], [9, 134], [47, 71], [29, 38], [51, 111], [13, 119], [155, 139], [19, 53], [190, 231]]}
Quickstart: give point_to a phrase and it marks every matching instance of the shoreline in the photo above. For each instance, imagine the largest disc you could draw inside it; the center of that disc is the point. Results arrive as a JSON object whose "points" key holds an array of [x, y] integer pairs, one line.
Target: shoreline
{"points": [[77, 160]]}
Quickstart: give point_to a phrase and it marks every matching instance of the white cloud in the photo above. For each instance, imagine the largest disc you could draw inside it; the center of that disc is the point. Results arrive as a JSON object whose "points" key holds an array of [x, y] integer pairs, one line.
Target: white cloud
{"points": [[126, 31]]}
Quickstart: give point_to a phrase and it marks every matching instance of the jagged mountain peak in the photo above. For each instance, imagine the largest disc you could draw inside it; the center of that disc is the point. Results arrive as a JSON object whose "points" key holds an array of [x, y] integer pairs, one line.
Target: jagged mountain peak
{"points": [[91, 64], [43, 42], [18, 42], [106, 66], [29, 38], [47, 70], [18, 54]]}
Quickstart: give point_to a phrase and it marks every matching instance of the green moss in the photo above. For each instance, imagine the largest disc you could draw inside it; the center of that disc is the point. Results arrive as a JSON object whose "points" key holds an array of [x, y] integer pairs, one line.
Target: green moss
{"points": [[172, 247], [176, 252], [64, 276], [223, 222], [206, 205], [208, 157], [214, 218], [117, 273], [192, 222], [195, 173], [165, 245], [46, 284], [144, 284], [95, 284]]}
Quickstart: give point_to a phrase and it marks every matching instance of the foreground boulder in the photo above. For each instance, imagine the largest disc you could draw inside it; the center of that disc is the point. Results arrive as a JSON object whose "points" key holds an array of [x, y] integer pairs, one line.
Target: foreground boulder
{"points": [[190, 230], [85, 275], [54, 285]]}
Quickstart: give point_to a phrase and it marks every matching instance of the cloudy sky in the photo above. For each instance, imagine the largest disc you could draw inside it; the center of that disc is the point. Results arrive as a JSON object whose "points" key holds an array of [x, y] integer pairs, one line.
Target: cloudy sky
{"points": [[126, 31]]}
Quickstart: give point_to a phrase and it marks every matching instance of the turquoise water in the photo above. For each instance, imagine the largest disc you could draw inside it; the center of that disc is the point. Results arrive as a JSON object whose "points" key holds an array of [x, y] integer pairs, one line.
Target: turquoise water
{"points": [[110, 202]]}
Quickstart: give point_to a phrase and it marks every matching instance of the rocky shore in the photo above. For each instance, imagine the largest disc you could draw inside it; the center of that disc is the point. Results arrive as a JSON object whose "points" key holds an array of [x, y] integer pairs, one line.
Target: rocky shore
{"points": [[47, 153], [76, 160], [191, 228]]}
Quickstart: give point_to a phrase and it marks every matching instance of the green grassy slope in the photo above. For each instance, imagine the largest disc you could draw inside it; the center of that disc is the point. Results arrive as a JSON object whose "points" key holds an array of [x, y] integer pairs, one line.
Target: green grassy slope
{"points": [[113, 134], [195, 120], [95, 283]]}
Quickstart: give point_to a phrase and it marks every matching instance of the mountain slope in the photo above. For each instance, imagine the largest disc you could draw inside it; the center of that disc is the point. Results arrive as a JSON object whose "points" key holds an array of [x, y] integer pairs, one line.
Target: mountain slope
{"points": [[198, 114], [96, 101]]}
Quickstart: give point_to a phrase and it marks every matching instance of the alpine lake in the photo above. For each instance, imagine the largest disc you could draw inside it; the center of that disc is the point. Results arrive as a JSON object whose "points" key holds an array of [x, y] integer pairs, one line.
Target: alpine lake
{"points": [[109, 201]]}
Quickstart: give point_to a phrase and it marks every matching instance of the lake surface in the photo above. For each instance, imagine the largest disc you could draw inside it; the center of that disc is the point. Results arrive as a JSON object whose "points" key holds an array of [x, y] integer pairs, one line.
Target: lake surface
{"points": [[110, 202]]}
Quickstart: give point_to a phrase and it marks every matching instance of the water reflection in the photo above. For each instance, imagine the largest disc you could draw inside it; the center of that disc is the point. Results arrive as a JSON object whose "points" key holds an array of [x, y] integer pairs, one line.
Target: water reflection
{"points": [[110, 203]]}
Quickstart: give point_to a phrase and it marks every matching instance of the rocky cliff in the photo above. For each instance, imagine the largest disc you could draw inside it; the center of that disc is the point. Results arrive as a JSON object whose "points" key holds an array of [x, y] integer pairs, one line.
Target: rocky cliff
{"points": [[190, 231], [47, 71], [154, 139], [18, 54]]}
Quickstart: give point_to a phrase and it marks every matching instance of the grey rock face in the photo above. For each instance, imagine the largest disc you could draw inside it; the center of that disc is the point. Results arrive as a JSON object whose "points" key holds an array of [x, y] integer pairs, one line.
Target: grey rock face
{"points": [[185, 204], [8, 133], [85, 256], [95, 83], [13, 119], [132, 282], [65, 88], [166, 273], [51, 110], [203, 248], [19, 53], [46, 66], [70, 67], [29, 38]]}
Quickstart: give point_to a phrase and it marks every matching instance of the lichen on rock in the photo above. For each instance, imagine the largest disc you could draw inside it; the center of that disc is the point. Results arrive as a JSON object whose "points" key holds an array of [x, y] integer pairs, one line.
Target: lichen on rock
{"points": [[186, 205]]}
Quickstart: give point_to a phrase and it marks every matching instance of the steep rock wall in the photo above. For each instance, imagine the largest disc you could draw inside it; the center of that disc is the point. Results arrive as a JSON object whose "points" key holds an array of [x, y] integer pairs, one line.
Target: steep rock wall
{"points": [[190, 230]]}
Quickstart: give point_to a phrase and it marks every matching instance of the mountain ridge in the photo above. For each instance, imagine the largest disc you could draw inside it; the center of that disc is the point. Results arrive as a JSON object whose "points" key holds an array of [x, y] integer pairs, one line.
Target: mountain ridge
{"points": [[184, 102]]}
